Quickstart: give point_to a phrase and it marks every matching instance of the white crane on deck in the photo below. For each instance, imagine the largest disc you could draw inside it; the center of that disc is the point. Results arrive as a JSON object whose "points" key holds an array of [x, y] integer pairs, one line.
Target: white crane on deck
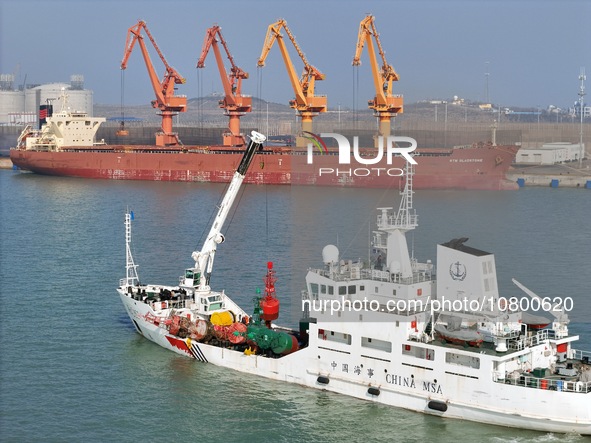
{"points": [[198, 277]]}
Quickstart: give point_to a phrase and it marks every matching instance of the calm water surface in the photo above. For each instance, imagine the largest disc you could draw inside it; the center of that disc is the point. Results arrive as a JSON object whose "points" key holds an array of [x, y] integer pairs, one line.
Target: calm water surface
{"points": [[73, 368]]}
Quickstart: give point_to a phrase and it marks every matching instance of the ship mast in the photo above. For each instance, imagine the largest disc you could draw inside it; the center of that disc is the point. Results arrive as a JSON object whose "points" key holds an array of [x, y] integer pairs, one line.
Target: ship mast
{"points": [[131, 276], [395, 225]]}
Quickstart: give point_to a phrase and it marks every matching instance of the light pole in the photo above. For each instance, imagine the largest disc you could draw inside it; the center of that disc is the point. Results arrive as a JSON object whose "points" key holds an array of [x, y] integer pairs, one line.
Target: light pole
{"points": [[486, 74], [582, 77]]}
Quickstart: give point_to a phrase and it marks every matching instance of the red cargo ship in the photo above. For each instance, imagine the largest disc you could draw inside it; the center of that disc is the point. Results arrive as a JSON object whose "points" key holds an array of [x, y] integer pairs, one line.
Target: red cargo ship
{"points": [[65, 147]]}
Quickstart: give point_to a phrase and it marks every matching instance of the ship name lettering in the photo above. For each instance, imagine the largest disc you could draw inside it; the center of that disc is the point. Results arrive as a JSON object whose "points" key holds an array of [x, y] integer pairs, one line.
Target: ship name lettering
{"points": [[394, 379], [432, 387]]}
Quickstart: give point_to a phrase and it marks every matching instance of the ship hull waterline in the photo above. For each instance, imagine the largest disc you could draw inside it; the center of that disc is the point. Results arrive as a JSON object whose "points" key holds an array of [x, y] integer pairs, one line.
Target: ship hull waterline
{"points": [[482, 168], [304, 368]]}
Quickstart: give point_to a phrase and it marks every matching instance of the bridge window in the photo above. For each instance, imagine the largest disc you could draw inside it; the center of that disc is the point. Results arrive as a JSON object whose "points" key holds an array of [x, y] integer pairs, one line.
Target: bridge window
{"points": [[338, 337], [462, 360], [374, 343], [418, 352]]}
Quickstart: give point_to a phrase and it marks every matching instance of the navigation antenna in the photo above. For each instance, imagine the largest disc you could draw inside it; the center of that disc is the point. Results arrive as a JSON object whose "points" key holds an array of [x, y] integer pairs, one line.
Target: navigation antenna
{"points": [[395, 225], [131, 276], [406, 218]]}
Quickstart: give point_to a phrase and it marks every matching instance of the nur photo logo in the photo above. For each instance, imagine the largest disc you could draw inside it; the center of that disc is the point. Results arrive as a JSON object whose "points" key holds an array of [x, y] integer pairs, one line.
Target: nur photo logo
{"points": [[388, 148]]}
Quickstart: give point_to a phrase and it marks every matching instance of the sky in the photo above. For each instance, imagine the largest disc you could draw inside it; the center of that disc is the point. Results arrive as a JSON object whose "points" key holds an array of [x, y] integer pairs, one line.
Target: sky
{"points": [[532, 50]]}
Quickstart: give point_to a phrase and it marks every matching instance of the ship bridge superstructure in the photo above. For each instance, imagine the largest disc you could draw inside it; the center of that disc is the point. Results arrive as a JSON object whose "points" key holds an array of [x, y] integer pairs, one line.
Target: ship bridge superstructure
{"points": [[391, 282]]}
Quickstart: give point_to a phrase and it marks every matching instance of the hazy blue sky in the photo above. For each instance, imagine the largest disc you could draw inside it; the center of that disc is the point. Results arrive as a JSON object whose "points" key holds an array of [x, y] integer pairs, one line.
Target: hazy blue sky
{"points": [[439, 48]]}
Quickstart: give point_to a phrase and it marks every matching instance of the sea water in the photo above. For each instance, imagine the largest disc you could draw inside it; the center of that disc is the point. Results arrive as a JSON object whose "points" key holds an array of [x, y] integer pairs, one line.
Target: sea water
{"points": [[74, 369]]}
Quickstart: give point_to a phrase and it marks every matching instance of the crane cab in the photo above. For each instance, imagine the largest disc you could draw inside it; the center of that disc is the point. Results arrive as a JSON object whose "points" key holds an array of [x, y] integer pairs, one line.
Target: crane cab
{"points": [[191, 279]]}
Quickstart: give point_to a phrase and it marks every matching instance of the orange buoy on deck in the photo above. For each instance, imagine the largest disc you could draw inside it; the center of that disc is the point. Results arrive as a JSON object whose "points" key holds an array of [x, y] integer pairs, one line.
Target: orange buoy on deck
{"points": [[236, 333], [201, 330]]}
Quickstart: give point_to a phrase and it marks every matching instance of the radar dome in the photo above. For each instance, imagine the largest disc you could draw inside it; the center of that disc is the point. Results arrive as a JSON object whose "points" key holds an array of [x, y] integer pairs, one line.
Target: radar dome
{"points": [[330, 254], [395, 267]]}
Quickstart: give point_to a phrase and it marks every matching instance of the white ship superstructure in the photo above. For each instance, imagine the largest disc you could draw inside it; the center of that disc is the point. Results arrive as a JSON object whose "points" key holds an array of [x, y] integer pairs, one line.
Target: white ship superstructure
{"points": [[385, 331], [64, 128]]}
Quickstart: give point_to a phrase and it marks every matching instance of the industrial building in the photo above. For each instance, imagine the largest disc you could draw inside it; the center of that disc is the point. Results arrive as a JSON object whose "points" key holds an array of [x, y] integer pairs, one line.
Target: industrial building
{"points": [[549, 154], [20, 106]]}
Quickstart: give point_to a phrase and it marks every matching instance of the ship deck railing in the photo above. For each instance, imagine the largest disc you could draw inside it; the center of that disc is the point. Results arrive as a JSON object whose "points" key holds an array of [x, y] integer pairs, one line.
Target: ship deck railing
{"points": [[401, 219], [548, 383], [347, 273], [584, 356], [528, 341], [149, 298]]}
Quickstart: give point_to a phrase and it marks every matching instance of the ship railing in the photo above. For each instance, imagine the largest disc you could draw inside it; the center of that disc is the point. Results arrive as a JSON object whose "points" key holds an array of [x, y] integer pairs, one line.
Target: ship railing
{"points": [[380, 243], [511, 334], [401, 219], [356, 273], [551, 384], [581, 355], [527, 341]]}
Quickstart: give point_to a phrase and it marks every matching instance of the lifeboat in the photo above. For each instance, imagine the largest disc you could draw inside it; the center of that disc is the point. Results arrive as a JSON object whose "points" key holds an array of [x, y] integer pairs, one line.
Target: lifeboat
{"points": [[460, 337], [534, 321]]}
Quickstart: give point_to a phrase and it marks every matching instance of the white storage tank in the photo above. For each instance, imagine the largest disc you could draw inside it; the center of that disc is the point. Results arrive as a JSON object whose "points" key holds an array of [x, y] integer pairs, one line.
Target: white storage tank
{"points": [[12, 102], [78, 99], [12, 107]]}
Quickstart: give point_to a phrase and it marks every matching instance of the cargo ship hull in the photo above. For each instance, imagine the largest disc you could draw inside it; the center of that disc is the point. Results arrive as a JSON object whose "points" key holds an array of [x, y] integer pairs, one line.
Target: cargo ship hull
{"points": [[475, 167]]}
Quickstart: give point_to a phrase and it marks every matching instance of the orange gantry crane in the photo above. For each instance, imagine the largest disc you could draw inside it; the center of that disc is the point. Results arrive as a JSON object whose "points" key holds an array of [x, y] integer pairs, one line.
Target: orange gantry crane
{"points": [[234, 103], [385, 104], [306, 103], [169, 104]]}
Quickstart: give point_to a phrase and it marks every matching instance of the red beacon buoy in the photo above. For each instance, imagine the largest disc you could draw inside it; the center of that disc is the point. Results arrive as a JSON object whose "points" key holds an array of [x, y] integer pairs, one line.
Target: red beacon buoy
{"points": [[270, 303]]}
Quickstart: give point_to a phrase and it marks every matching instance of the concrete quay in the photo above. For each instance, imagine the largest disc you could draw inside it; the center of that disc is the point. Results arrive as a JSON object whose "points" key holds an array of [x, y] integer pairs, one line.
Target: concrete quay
{"points": [[5, 163], [568, 175]]}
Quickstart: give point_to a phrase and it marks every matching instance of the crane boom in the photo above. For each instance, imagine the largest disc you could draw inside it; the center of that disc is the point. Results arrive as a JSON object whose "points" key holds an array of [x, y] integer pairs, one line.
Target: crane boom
{"points": [[385, 104], [204, 257], [234, 103], [306, 103], [166, 101]]}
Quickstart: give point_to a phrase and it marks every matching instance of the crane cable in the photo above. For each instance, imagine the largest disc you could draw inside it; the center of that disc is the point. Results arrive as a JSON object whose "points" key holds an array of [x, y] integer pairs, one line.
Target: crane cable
{"points": [[199, 101], [122, 123], [260, 125], [260, 97], [355, 95]]}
